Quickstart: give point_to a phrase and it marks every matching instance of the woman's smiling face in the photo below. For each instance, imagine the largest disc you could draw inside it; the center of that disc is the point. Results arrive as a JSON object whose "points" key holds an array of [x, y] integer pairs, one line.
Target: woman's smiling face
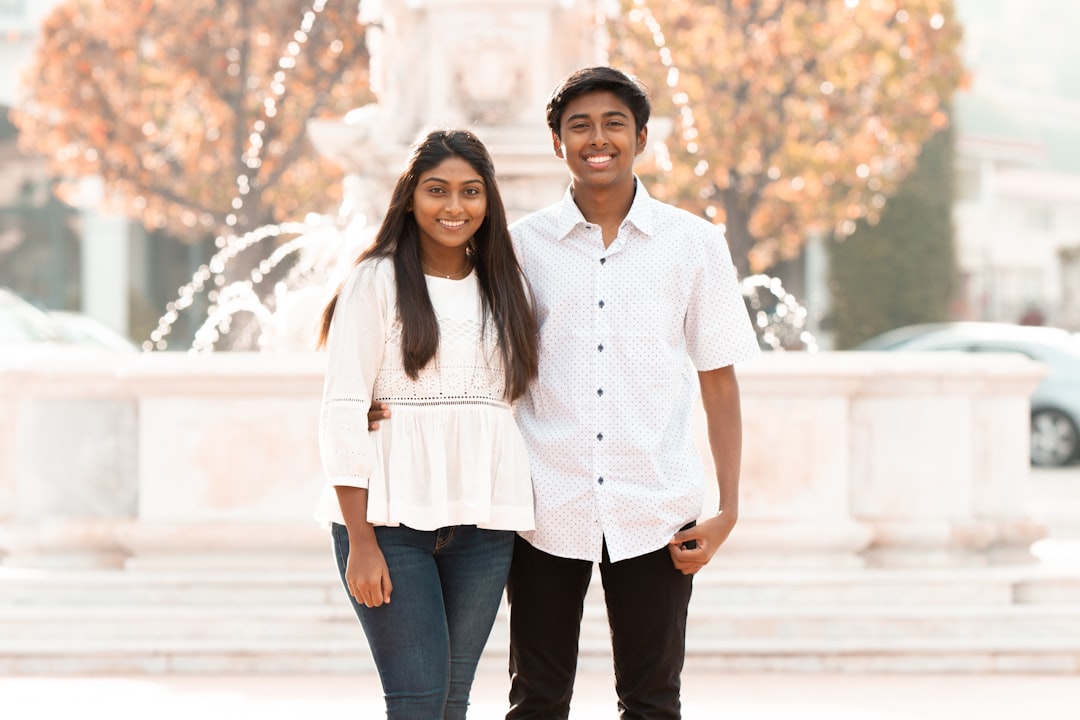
{"points": [[449, 204]]}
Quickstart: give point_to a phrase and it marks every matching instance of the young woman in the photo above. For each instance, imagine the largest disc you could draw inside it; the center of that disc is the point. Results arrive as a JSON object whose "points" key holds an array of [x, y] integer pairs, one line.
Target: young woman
{"points": [[435, 322]]}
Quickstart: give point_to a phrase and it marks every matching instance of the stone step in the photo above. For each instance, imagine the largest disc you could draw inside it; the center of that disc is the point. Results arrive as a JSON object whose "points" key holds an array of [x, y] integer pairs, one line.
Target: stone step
{"points": [[965, 587], [116, 587], [274, 642], [731, 659], [166, 624], [957, 587], [964, 620]]}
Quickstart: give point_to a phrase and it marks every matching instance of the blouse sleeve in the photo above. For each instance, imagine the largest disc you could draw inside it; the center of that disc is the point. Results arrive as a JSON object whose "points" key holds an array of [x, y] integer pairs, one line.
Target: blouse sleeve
{"points": [[355, 350]]}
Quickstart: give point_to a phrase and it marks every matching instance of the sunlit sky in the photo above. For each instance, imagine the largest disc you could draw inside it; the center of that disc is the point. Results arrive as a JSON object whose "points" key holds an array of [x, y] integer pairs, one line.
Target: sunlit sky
{"points": [[1024, 59]]}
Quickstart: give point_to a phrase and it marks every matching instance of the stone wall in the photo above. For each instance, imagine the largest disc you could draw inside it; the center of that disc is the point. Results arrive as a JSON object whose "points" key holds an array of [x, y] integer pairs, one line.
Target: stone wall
{"points": [[170, 461]]}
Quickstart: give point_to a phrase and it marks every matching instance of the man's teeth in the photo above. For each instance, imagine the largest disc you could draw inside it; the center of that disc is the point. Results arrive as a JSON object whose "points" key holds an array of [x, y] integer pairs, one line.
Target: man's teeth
{"points": [[598, 159]]}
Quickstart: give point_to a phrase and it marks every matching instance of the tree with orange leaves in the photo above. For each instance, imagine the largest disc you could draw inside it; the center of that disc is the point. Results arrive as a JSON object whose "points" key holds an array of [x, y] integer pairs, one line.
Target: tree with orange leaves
{"points": [[194, 111], [789, 117]]}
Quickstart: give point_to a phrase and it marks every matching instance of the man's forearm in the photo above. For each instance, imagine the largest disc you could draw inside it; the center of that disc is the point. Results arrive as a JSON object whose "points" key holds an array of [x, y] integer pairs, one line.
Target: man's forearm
{"points": [[723, 414]]}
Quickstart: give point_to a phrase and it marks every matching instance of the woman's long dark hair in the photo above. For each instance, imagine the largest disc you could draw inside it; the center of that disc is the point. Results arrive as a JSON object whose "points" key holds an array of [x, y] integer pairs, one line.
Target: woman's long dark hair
{"points": [[504, 297]]}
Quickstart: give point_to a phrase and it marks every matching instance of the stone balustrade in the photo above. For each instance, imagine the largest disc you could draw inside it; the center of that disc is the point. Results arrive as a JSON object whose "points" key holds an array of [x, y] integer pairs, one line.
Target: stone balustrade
{"points": [[171, 461]]}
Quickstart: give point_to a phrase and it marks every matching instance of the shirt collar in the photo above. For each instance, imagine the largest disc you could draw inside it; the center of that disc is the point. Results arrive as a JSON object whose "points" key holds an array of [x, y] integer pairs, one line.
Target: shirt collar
{"points": [[640, 215]]}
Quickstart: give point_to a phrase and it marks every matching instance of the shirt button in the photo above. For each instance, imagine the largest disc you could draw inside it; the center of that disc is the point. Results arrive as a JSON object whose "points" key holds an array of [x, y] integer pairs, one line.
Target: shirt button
{"points": [[600, 347], [603, 260], [600, 391], [599, 436], [600, 481], [601, 303]]}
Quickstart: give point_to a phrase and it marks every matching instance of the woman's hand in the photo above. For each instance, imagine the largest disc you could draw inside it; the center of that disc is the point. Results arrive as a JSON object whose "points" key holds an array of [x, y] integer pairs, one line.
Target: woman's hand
{"points": [[366, 574]]}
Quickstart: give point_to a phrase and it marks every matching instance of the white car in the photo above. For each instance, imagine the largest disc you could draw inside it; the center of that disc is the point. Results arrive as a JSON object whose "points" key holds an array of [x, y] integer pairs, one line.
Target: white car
{"points": [[26, 327], [1055, 404]]}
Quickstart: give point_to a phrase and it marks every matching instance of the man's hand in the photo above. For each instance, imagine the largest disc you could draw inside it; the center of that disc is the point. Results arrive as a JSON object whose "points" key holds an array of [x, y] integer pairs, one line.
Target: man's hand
{"points": [[378, 411], [705, 539]]}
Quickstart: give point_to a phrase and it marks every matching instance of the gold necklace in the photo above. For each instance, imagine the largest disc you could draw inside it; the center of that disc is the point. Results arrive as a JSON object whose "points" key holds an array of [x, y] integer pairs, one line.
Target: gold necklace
{"points": [[452, 276]]}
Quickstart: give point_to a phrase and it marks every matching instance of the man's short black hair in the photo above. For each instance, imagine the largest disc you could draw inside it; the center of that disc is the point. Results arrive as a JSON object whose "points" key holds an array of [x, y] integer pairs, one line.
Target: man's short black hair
{"points": [[599, 79]]}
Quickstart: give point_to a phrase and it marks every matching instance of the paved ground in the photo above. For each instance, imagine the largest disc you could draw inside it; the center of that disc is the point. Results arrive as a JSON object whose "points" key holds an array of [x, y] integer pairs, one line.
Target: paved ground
{"points": [[1054, 499], [706, 697]]}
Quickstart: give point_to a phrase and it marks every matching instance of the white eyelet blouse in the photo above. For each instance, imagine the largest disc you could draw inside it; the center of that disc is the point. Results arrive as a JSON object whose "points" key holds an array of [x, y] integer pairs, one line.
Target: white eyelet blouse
{"points": [[451, 453]]}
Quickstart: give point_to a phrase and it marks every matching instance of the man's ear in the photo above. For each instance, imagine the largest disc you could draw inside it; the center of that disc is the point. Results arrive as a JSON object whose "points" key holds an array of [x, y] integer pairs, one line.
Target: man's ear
{"points": [[642, 137], [556, 144]]}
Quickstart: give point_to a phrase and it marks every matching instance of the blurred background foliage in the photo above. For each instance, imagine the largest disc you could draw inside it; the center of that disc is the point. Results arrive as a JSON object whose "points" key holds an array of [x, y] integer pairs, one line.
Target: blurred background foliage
{"points": [[790, 117], [172, 101], [903, 270]]}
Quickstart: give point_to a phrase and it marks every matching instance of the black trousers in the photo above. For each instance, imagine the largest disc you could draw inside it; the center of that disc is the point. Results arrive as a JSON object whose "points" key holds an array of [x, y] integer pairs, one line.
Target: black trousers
{"points": [[647, 601]]}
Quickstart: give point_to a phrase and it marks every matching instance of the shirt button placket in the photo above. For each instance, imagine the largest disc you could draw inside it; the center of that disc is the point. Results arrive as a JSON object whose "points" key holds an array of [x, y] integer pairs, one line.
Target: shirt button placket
{"points": [[601, 327]]}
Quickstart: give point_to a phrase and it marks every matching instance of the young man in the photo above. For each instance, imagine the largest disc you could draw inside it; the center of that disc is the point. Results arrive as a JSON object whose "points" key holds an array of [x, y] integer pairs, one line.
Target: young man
{"points": [[629, 293]]}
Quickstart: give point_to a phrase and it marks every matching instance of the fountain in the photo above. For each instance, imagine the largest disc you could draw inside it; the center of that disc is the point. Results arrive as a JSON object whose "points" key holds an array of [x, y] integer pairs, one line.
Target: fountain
{"points": [[492, 87], [778, 317], [479, 64]]}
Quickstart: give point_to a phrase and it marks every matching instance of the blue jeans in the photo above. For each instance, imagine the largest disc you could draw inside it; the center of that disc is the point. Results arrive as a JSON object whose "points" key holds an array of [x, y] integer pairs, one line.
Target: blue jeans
{"points": [[427, 641]]}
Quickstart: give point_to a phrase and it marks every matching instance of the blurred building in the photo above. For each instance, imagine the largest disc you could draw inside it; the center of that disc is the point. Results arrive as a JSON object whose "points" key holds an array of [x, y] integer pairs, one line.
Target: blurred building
{"points": [[55, 255], [1018, 162], [59, 256], [26, 205]]}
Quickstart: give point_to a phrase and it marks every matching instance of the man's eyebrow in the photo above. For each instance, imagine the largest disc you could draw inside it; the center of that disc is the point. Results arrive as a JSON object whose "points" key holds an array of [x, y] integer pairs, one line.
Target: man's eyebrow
{"points": [[609, 113]]}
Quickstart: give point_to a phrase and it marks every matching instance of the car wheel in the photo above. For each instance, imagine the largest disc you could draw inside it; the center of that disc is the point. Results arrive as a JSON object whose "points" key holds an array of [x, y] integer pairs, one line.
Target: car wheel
{"points": [[1054, 438]]}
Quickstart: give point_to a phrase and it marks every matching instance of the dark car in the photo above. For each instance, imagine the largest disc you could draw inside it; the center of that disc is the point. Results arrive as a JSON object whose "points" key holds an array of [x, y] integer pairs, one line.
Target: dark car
{"points": [[1055, 404]]}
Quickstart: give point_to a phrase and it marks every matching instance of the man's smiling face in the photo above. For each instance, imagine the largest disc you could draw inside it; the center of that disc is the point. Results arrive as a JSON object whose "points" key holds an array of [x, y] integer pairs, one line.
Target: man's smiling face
{"points": [[598, 140]]}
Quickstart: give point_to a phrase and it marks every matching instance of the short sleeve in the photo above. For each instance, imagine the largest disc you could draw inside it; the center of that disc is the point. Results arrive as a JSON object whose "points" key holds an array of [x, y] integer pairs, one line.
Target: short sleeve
{"points": [[718, 328]]}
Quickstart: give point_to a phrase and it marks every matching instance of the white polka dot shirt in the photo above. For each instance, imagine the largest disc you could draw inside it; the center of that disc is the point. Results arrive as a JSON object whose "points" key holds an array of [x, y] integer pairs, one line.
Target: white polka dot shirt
{"points": [[608, 423]]}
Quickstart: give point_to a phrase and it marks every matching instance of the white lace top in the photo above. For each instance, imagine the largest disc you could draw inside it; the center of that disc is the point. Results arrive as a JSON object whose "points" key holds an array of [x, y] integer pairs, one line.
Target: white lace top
{"points": [[451, 453]]}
